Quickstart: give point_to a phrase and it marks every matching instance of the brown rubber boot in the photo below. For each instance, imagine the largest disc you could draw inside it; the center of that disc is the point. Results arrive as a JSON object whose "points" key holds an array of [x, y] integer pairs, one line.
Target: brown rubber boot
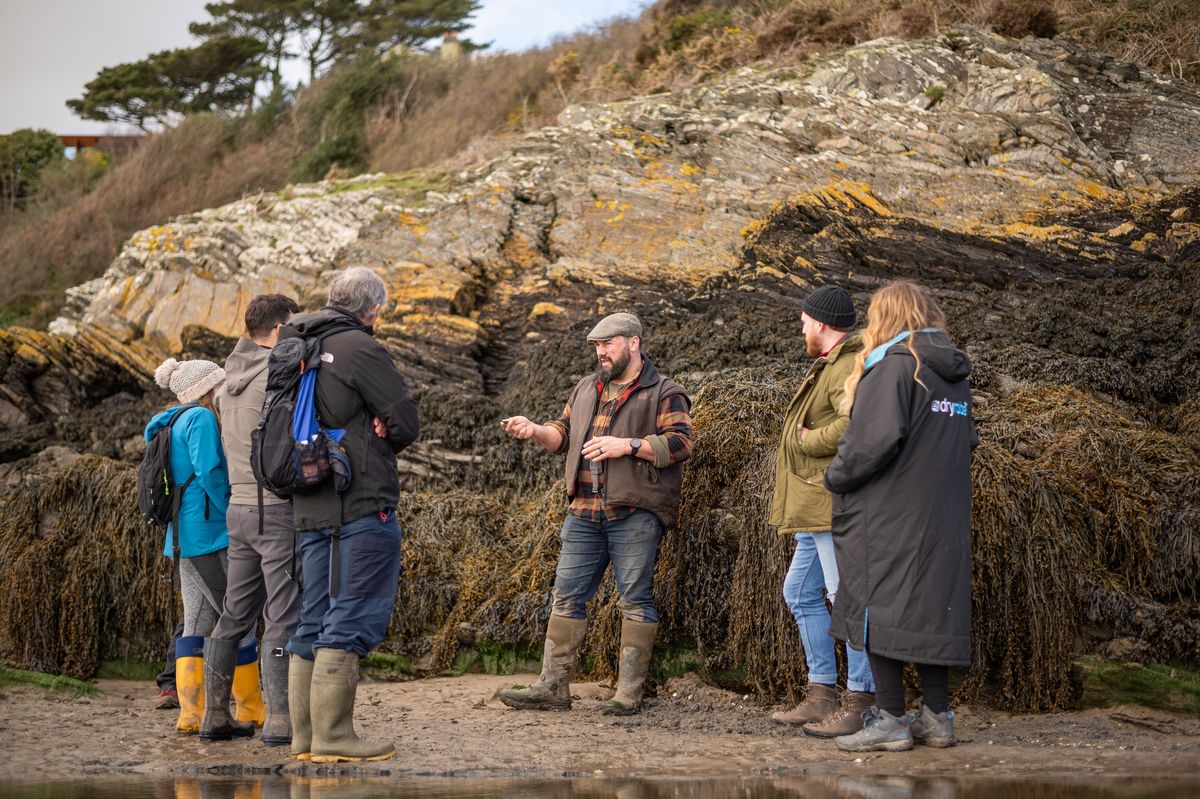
{"points": [[820, 702], [847, 720], [552, 691], [637, 642]]}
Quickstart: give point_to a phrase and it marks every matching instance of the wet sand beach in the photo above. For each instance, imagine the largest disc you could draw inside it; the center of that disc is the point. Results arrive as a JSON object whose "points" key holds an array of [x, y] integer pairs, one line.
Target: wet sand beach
{"points": [[455, 727]]}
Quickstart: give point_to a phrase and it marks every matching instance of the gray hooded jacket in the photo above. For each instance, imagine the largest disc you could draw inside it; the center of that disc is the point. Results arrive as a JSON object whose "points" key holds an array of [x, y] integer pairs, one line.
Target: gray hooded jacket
{"points": [[240, 402]]}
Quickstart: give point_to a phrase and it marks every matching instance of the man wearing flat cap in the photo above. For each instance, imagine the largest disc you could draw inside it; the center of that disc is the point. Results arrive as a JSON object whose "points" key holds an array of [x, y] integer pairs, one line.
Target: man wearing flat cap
{"points": [[803, 508], [625, 431]]}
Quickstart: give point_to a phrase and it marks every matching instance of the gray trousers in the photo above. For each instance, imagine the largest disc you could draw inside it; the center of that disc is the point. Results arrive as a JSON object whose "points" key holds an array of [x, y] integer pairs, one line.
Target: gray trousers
{"points": [[258, 582]]}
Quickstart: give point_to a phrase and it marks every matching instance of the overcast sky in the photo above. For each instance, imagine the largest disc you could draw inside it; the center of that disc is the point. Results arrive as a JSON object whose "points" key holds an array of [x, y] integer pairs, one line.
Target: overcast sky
{"points": [[50, 48]]}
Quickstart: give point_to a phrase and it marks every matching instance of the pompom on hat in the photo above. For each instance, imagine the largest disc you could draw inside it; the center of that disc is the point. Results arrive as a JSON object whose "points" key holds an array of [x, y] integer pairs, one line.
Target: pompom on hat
{"points": [[189, 380]]}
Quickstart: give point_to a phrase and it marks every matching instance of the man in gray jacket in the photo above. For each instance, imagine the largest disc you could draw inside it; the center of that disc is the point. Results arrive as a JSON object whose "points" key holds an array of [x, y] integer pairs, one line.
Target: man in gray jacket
{"points": [[261, 547]]}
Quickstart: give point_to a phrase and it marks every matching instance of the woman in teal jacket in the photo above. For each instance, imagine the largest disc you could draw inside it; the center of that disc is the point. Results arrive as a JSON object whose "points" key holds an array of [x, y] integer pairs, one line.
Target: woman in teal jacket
{"points": [[196, 453]]}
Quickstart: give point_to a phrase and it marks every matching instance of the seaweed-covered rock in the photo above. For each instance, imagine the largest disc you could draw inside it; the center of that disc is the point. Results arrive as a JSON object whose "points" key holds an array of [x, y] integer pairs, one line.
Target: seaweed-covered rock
{"points": [[1047, 196]]}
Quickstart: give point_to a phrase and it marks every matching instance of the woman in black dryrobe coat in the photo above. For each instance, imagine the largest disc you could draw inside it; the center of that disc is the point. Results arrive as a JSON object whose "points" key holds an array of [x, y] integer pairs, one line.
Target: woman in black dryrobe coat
{"points": [[901, 484]]}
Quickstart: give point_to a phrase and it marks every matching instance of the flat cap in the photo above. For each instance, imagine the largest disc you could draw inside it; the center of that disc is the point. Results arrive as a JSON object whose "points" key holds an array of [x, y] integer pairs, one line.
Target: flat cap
{"points": [[616, 324]]}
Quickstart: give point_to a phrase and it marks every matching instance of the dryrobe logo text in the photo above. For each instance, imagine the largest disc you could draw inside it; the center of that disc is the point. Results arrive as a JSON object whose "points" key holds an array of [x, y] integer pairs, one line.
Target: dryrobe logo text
{"points": [[952, 408]]}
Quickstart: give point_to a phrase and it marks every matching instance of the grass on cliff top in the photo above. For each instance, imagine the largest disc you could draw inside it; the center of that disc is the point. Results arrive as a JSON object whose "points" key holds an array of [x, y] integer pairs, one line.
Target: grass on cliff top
{"points": [[410, 186]]}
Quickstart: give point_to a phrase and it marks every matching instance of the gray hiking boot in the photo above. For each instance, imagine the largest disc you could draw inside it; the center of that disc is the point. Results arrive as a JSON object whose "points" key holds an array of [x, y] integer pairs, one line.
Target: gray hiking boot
{"points": [[881, 732], [932, 729], [552, 691]]}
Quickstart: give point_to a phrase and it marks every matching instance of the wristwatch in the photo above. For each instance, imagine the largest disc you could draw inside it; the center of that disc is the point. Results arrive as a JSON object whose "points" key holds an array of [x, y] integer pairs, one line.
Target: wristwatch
{"points": [[634, 444]]}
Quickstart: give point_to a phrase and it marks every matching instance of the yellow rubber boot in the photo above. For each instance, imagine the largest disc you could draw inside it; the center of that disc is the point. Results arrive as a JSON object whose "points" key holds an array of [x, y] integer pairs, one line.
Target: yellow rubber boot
{"points": [[189, 682], [247, 691]]}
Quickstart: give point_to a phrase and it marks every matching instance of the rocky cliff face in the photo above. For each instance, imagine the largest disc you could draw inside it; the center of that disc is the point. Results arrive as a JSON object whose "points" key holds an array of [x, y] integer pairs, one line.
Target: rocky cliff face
{"points": [[1049, 196]]}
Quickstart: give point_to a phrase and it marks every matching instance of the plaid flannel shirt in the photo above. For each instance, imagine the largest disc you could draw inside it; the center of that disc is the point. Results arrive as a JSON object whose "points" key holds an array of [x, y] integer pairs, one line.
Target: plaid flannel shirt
{"points": [[671, 443]]}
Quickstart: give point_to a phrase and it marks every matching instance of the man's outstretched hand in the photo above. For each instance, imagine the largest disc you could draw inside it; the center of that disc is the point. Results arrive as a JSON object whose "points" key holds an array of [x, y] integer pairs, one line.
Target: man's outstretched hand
{"points": [[518, 427]]}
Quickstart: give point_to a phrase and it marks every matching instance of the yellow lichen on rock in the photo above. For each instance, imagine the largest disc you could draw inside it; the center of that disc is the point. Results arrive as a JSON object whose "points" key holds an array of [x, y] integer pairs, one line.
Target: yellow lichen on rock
{"points": [[545, 309]]}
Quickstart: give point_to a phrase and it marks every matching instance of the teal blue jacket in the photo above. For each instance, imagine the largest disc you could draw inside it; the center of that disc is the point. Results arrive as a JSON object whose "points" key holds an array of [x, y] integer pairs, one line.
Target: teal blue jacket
{"points": [[196, 449]]}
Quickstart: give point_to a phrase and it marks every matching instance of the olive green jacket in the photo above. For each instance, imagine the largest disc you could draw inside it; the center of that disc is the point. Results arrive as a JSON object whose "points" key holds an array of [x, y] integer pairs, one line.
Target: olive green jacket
{"points": [[801, 503]]}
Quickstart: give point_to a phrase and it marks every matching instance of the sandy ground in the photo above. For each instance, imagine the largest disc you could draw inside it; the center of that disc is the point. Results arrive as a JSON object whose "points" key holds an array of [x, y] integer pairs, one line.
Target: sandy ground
{"points": [[455, 727]]}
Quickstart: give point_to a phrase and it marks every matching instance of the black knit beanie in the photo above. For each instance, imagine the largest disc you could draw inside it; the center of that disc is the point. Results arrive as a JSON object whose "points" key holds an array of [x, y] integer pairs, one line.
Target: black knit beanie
{"points": [[831, 305]]}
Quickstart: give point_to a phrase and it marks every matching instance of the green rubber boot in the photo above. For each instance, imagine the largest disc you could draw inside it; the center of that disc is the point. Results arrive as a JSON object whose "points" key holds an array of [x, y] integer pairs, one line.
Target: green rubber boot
{"points": [[331, 708], [299, 687]]}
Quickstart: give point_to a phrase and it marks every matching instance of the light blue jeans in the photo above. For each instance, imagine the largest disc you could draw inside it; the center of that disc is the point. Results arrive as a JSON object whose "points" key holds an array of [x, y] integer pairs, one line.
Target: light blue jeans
{"points": [[813, 568], [587, 547]]}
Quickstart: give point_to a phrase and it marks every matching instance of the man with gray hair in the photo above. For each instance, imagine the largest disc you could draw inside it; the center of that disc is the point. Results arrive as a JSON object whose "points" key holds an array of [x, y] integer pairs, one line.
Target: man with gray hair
{"points": [[625, 432], [349, 542]]}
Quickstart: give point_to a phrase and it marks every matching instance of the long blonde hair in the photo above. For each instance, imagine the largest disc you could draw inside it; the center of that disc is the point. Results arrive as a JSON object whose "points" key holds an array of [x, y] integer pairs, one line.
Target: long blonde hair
{"points": [[894, 309]]}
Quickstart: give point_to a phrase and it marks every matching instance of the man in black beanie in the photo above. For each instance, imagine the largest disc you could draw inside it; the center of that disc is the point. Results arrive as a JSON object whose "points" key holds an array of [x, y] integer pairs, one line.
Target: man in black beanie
{"points": [[802, 507]]}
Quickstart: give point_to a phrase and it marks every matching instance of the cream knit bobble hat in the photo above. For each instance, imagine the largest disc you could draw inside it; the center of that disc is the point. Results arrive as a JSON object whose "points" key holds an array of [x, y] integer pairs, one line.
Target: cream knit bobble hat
{"points": [[189, 380]]}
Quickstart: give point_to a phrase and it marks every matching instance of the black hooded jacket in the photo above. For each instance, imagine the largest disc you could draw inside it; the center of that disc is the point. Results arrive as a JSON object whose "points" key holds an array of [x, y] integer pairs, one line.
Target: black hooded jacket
{"points": [[356, 383], [901, 484]]}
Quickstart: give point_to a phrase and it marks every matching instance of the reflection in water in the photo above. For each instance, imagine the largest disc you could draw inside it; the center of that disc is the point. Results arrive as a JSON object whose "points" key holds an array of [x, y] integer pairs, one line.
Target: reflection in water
{"points": [[295, 787]]}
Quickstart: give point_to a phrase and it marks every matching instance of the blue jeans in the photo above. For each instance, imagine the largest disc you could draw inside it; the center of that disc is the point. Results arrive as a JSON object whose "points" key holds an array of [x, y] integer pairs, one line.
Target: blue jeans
{"points": [[587, 547], [355, 617], [813, 568]]}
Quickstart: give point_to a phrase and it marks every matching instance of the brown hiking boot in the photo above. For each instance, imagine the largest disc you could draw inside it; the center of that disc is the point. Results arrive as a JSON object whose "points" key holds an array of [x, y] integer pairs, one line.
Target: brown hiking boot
{"points": [[847, 720], [552, 691], [637, 642], [820, 701]]}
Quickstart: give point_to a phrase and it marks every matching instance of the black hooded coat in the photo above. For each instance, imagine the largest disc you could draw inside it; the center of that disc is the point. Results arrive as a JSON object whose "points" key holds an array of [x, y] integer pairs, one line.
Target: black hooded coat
{"points": [[901, 484]]}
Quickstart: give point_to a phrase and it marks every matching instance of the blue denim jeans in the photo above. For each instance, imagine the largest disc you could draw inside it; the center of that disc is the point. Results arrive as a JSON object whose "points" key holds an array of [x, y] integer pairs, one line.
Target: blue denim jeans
{"points": [[813, 568], [587, 547], [355, 618]]}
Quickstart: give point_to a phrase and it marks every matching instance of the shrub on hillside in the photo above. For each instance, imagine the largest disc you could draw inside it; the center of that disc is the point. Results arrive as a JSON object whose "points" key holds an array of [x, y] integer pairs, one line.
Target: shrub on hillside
{"points": [[207, 161], [1018, 18], [68, 179], [333, 122]]}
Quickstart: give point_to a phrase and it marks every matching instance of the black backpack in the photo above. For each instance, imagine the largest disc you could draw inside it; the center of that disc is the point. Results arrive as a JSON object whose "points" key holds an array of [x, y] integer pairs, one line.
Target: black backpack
{"points": [[158, 496], [282, 463]]}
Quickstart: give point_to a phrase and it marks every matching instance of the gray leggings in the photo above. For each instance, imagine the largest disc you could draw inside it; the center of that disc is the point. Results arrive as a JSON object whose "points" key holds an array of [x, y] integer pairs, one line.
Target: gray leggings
{"points": [[202, 582]]}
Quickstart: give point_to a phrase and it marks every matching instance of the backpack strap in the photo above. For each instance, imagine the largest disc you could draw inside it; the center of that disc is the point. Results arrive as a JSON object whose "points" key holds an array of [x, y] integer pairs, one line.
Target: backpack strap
{"points": [[178, 497], [175, 523]]}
